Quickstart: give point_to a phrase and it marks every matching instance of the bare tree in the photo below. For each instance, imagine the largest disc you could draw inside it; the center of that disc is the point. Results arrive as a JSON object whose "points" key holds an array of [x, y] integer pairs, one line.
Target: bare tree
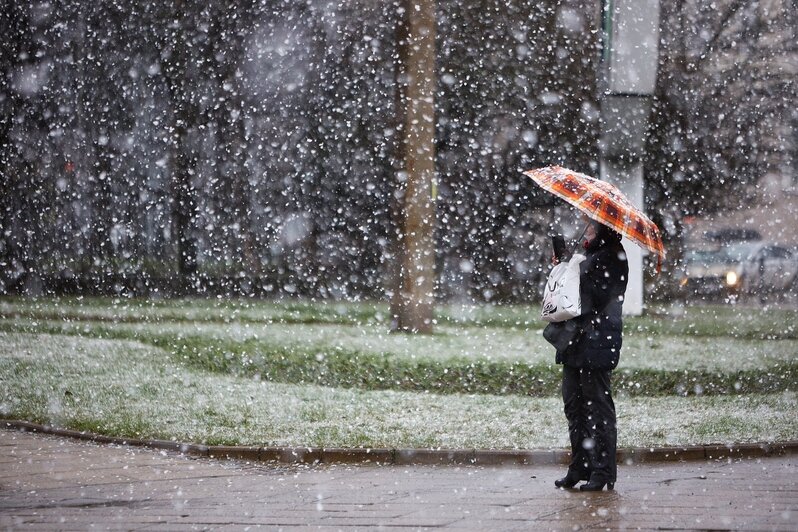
{"points": [[177, 46], [724, 97]]}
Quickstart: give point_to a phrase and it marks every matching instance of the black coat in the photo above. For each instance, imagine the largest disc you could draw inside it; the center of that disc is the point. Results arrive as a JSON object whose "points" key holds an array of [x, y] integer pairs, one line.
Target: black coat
{"points": [[603, 277]]}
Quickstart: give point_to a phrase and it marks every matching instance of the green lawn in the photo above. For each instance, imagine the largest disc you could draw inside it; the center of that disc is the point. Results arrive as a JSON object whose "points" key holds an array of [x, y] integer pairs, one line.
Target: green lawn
{"points": [[130, 389], [305, 373], [698, 320]]}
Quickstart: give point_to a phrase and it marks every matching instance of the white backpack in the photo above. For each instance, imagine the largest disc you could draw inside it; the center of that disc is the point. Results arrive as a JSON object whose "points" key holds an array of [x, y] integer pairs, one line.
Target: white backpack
{"points": [[561, 300]]}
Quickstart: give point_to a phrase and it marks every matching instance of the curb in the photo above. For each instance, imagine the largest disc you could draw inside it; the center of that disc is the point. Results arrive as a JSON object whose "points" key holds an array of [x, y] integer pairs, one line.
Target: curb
{"points": [[358, 455]]}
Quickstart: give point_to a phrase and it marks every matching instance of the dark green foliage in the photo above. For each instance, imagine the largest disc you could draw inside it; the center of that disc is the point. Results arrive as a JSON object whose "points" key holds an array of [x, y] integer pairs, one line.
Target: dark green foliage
{"points": [[183, 147]]}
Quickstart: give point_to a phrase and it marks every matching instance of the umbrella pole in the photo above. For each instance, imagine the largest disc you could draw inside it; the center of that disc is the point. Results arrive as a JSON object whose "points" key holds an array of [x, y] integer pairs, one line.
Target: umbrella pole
{"points": [[578, 240]]}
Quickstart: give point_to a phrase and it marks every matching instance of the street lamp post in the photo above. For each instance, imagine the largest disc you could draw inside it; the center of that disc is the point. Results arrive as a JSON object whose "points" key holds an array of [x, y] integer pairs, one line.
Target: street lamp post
{"points": [[627, 80]]}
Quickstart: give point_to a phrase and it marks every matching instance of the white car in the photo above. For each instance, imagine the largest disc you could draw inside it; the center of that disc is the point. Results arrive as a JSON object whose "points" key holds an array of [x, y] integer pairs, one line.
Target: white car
{"points": [[769, 268], [754, 268]]}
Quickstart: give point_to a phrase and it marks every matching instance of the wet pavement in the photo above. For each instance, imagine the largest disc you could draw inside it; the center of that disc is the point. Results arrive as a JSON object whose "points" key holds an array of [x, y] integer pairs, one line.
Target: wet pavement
{"points": [[53, 483]]}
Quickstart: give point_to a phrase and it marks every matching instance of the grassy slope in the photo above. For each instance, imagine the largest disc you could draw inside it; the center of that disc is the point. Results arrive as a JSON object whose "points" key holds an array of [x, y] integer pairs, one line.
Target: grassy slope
{"points": [[131, 389], [457, 359]]}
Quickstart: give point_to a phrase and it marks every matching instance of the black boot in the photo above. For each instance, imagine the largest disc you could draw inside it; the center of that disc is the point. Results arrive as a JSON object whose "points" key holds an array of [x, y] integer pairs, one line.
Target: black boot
{"points": [[597, 485], [569, 480]]}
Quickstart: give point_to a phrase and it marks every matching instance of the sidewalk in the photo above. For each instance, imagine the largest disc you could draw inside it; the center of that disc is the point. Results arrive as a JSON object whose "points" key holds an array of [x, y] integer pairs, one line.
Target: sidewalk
{"points": [[52, 483]]}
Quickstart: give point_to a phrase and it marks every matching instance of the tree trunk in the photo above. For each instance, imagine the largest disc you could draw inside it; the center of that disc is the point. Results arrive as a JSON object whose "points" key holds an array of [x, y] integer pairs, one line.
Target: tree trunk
{"points": [[183, 204], [177, 46], [413, 298]]}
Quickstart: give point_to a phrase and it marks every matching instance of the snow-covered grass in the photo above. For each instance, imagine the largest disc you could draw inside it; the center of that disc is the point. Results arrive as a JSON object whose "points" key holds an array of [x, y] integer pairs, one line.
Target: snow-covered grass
{"points": [[641, 349], [756, 322], [742, 322], [469, 359], [127, 388], [193, 310]]}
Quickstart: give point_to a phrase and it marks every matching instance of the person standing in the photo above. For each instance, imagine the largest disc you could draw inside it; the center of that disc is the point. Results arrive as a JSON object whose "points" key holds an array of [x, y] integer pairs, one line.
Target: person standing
{"points": [[588, 362]]}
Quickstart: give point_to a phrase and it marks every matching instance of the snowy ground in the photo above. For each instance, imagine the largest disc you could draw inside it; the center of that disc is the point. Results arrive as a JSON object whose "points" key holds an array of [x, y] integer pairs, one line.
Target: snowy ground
{"points": [[108, 374], [641, 350]]}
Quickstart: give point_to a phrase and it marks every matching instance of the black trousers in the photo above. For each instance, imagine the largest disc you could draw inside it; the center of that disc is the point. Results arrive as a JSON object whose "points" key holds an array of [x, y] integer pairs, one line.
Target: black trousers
{"points": [[588, 405]]}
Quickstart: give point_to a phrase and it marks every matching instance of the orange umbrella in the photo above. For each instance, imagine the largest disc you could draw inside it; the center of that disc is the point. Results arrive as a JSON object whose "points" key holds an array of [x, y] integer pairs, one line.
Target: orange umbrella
{"points": [[602, 202]]}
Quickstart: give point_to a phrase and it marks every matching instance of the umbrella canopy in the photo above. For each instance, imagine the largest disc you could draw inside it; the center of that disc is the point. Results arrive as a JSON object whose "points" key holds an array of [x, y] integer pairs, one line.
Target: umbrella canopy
{"points": [[602, 202]]}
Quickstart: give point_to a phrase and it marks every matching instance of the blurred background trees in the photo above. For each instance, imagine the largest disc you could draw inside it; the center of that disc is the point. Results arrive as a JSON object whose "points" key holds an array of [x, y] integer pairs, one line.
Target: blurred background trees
{"points": [[725, 110], [249, 148]]}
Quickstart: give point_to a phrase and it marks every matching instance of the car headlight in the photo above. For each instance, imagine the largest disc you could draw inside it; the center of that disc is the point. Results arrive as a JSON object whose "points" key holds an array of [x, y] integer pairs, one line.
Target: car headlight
{"points": [[731, 278]]}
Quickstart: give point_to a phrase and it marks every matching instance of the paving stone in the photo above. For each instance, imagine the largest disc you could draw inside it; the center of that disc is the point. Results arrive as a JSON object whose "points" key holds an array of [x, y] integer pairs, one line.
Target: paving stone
{"points": [[433, 456], [516, 457], [300, 455], [359, 456], [662, 453], [234, 453], [85, 483]]}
